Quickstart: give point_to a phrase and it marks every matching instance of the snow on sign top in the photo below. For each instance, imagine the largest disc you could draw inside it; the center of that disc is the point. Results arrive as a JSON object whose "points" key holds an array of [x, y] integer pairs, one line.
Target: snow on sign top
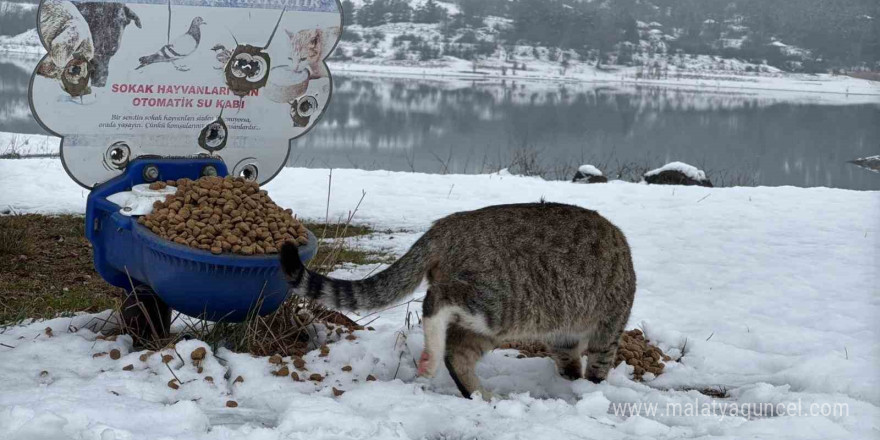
{"points": [[237, 79]]}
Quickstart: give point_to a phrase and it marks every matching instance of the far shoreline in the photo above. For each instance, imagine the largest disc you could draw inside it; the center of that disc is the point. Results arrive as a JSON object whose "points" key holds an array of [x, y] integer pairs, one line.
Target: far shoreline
{"points": [[437, 73], [826, 88]]}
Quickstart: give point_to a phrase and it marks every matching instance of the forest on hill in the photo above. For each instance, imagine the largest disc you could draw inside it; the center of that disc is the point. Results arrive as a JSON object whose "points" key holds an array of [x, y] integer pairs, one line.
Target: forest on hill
{"points": [[795, 35]]}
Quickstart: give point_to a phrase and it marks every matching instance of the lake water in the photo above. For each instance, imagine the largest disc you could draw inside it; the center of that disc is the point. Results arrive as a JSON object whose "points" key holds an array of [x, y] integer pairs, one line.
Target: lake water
{"points": [[424, 125]]}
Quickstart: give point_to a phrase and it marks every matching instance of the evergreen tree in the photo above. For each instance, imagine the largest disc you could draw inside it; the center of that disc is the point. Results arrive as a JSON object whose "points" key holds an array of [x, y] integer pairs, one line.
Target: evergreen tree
{"points": [[348, 12], [430, 12]]}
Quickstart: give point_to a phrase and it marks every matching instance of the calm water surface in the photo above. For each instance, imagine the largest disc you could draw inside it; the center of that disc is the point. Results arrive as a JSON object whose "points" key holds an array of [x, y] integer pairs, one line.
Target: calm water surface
{"points": [[432, 126]]}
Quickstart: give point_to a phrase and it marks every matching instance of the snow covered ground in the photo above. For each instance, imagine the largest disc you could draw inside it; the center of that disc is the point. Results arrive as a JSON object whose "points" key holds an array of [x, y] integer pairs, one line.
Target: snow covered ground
{"points": [[23, 145], [772, 293]]}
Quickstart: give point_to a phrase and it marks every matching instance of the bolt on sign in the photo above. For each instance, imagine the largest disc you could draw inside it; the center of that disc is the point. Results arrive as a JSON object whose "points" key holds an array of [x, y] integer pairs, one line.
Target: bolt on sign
{"points": [[237, 79]]}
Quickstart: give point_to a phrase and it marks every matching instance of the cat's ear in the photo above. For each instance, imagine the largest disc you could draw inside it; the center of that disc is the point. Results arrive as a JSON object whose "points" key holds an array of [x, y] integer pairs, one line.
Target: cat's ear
{"points": [[290, 35]]}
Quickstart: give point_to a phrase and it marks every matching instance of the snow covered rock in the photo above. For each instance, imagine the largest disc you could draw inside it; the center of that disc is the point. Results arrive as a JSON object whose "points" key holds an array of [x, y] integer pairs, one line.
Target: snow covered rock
{"points": [[871, 163], [589, 174], [677, 173]]}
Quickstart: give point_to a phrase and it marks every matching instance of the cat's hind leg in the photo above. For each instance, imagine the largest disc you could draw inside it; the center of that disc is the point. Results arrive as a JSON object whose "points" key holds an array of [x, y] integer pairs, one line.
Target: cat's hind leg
{"points": [[463, 349], [567, 351], [435, 321], [445, 303], [602, 348]]}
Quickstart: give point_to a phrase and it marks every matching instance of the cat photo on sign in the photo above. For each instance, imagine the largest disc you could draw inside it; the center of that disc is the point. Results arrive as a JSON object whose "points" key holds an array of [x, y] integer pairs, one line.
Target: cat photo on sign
{"points": [[309, 47], [69, 45]]}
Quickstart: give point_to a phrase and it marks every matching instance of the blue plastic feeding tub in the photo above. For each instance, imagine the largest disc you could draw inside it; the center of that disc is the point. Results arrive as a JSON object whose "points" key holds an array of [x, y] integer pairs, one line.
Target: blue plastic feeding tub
{"points": [[197, 283]]}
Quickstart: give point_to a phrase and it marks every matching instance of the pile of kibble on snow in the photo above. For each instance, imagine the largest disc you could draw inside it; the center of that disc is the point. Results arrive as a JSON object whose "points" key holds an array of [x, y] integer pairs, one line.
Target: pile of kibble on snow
{"points": [[223, 215], [634, 349]]}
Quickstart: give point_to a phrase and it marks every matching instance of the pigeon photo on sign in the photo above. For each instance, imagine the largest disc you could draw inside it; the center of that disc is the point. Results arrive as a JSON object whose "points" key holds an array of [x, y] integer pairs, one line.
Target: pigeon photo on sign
{"points": [[153, 75]]}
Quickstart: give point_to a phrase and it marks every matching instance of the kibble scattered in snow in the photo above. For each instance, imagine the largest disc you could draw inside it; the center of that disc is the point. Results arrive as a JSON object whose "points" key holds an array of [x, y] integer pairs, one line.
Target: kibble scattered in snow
{"points": [[283, 371], [316, 377], [115, 354], [635, 350], [198, 354], [231, 404], [128, 367]]}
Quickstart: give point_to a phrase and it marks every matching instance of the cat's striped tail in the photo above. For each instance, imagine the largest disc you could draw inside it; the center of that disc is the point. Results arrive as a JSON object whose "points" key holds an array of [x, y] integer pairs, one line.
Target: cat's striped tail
{"points": [[381, 289]]}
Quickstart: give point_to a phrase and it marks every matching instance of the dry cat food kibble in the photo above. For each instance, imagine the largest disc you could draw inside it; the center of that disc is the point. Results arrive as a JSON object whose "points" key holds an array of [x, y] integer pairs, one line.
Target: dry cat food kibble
{"points": [[223, 215], [636, 351]]}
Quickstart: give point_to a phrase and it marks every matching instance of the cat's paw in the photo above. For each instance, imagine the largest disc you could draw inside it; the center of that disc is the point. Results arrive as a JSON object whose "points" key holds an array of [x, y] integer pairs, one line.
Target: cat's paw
{"points": [[484, 394], [427, 365]]}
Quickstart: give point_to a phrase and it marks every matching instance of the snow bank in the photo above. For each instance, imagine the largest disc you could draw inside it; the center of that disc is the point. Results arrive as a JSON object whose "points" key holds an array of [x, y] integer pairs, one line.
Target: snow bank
{"points": [[690, 171], [771, 292], [23, 145], [25, 42]]}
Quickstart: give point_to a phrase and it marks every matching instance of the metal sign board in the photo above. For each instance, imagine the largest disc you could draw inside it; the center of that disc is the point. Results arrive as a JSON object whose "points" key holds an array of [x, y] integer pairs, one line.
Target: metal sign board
{"points": [[236, 79]]}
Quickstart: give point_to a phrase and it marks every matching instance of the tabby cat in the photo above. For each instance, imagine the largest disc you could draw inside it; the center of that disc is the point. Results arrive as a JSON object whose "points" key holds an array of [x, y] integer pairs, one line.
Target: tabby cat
{"points": [[542, 271]]}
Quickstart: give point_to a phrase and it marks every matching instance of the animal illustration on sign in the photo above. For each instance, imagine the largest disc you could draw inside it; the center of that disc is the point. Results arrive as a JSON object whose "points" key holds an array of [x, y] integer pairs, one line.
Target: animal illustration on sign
{"points": [[69, 44], [181, 47], [309, 47], [107, 22]]}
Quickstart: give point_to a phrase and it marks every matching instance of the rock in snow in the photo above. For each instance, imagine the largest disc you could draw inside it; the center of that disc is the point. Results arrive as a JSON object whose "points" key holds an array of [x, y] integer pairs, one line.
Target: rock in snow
{"points": [[678, 173], [589, 174], [871, 163]]}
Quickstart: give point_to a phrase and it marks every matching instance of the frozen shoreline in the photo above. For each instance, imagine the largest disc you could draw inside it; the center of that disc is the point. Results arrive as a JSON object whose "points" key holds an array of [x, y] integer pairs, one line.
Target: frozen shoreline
{"points": [[822, 88]]}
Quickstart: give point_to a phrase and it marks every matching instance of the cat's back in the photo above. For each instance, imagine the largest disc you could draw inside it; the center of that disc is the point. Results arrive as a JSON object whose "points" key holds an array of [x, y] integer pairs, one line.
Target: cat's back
{"points": [[528, 222]]}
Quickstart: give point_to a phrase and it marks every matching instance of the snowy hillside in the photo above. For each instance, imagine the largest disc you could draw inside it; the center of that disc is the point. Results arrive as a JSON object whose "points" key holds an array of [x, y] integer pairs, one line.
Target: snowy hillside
{"points": [[767, 294], [443, 38]]}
